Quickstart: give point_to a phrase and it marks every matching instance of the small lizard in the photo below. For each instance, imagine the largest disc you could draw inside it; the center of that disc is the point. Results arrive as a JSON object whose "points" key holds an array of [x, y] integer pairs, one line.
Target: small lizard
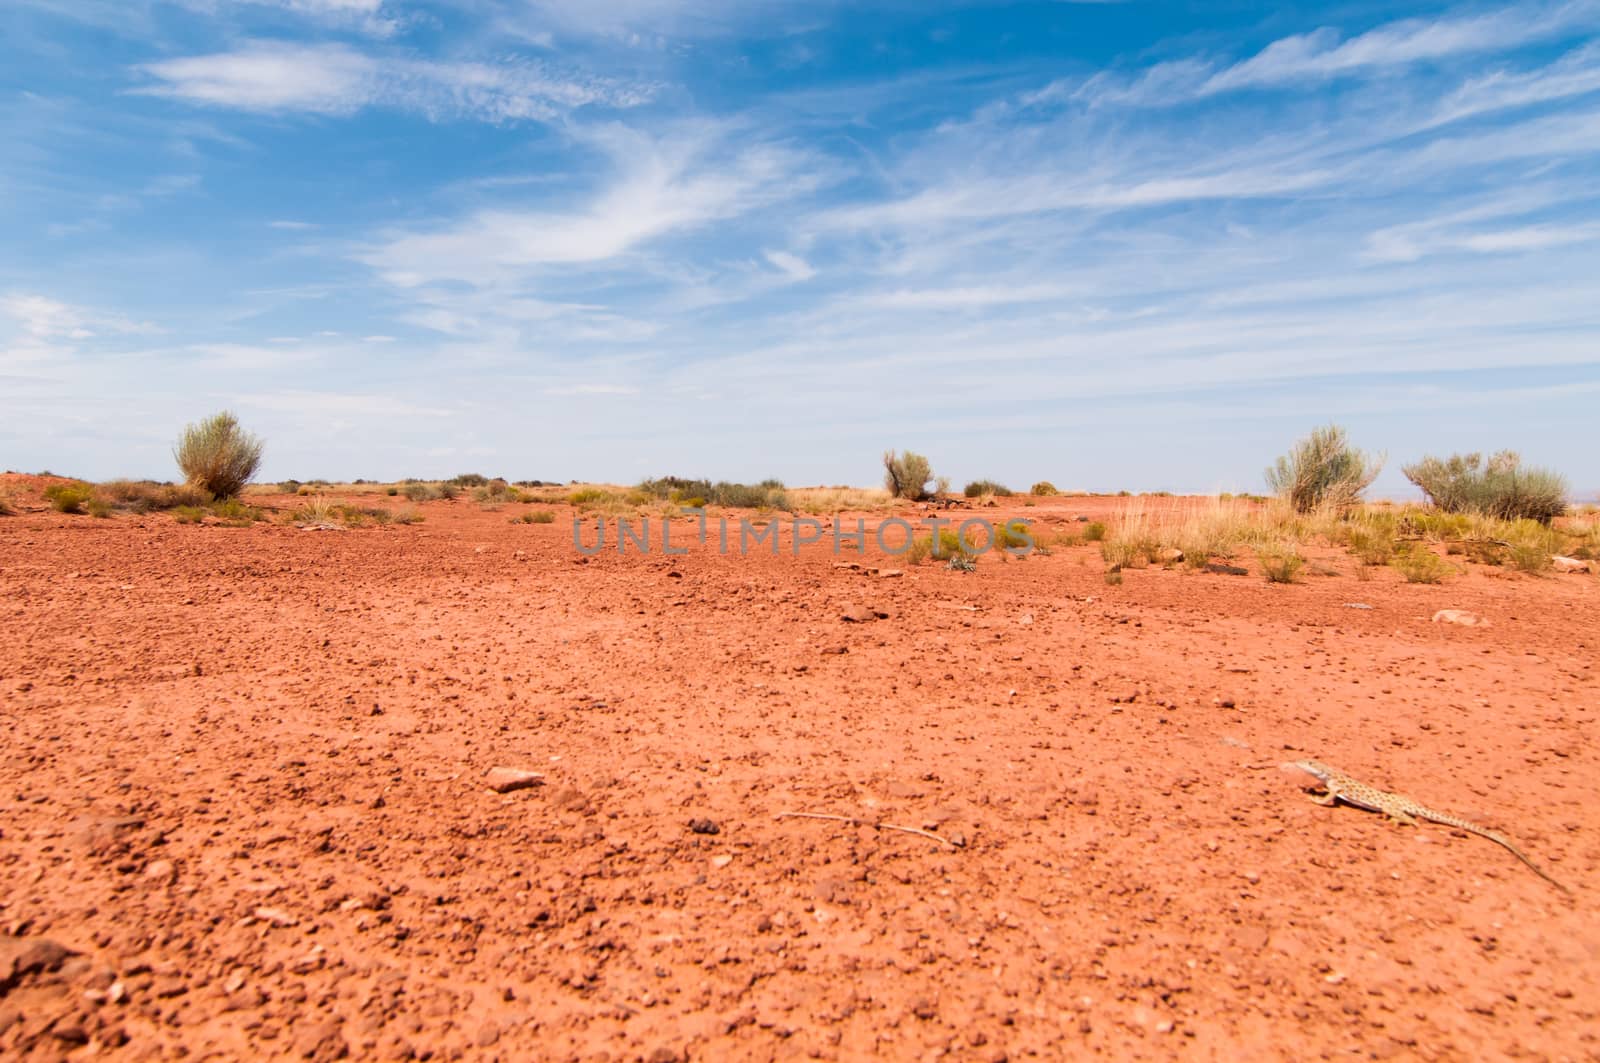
{"points": [[1401, 809]]}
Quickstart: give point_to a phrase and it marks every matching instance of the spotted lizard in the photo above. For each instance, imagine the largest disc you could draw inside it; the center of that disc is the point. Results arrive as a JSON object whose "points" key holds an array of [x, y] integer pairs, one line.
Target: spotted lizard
{"points": [[1401, 809]]}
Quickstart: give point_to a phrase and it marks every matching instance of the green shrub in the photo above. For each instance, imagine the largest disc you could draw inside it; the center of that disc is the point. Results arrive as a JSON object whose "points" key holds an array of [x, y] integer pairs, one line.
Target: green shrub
{"points": [[188, 514], [236, 512], [419, 492], [1499, 488], [391, 491], [1530, 546], [98, 507], [1043, 488], [917, 552], [1421, 565], [542, 516], [1094, 531], [979, 488], [446, 491], [1323, 470], [218, 455], [906, 475], [68, 498], [1280, 563], [470, 479], [288, 487]]}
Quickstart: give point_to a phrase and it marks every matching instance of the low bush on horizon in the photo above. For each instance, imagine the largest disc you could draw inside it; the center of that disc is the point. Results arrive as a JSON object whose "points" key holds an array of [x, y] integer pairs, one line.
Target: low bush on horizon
{"points": [[1323, 471], [68, 497], [979, 488], [768, 494], [537, 516], [470, 479], [1043, 488], [1501, 487], [218, 455]]}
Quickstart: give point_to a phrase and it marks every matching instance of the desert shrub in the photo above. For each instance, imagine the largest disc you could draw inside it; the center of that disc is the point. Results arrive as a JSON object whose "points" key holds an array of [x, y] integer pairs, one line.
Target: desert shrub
{"points": [[470, 479], [1421, 565], [1280, 562], [1530, 545], [768, 494], [1500, 488], [143, 496], [392, 492], [1043, 488], [218, 455], [236, 512], [6, 509], [962, 563], [1437, 527], [1323, 471], [188, 514], [542, 516], [906, 475], [1094, 531], [918, 550], [1012, 536], [98, 507], [418, 492], [68, 498], [1370, 545], [288, 487], [447, 491], [408, 516], [979, 488]]}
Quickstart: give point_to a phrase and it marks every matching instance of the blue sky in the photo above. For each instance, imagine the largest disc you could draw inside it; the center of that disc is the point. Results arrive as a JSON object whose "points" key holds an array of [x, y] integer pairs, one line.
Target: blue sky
{"points": [[1141, 245]]}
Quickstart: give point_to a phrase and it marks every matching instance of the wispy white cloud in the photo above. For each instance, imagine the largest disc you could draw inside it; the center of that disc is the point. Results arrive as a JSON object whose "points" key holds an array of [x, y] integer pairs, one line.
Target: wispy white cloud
{"points": [[673, 182], [335, 79]]}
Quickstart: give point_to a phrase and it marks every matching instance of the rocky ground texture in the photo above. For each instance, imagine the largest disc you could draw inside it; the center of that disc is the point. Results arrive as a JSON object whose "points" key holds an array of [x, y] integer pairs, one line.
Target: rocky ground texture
{"points": [[246, 804]]}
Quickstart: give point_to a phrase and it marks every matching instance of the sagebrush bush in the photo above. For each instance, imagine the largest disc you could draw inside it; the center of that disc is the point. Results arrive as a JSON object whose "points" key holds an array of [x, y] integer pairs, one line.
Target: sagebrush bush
{"points": [[1501, 487], [906, 475], [1094, 531], [1043, 488], [218, 455], [1323, 471]]}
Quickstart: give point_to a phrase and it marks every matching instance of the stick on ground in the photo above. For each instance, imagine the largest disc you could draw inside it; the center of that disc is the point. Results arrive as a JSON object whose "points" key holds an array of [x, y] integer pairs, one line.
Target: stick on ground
{"points": [[856, 821]]}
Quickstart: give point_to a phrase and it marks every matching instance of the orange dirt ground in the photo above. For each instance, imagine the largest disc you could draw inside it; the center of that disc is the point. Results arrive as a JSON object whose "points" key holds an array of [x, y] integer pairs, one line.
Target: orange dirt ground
{"points": [[243, 787]]}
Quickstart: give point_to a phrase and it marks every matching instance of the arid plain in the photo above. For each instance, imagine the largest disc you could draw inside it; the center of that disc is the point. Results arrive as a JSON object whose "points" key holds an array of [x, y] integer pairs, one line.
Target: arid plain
{"points": [[246, 807]]}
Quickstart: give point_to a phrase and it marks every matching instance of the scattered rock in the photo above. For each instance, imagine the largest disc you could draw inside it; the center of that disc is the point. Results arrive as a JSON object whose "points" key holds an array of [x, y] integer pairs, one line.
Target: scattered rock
{"points": [[1226, 570], [276, 916], [862, 614], [704, 826], [1569, 564], [1464, 617], [1357, 605], [889, 573], [505, 780], [1170, 555], [21, 957], [160, 873]]}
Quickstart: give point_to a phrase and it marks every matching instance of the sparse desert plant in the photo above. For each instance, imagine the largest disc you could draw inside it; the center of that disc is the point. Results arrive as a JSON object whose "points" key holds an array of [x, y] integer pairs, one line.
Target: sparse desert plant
{"points": [[319, 510], [417, 492], [288, 487], [391, 491], [144, 496], [68, 498], [1013, 535], [542, 516], [980, 488], [188, 514], [470, 479], [218, 455], [906, 475], [235, 513], [1323, 471], [917, 550], [98, 507], [1280, 562], [1094, 531], [408, 516], [1421, 565], [1043, 488], [1530, 545], [962, 563], [6, 508], [1371, 545], [1500, 488], [446, 491]]}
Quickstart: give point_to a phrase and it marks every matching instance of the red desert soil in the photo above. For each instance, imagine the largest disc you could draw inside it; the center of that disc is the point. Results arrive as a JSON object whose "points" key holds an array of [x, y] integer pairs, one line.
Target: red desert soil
{"points": [[245, 808]]}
